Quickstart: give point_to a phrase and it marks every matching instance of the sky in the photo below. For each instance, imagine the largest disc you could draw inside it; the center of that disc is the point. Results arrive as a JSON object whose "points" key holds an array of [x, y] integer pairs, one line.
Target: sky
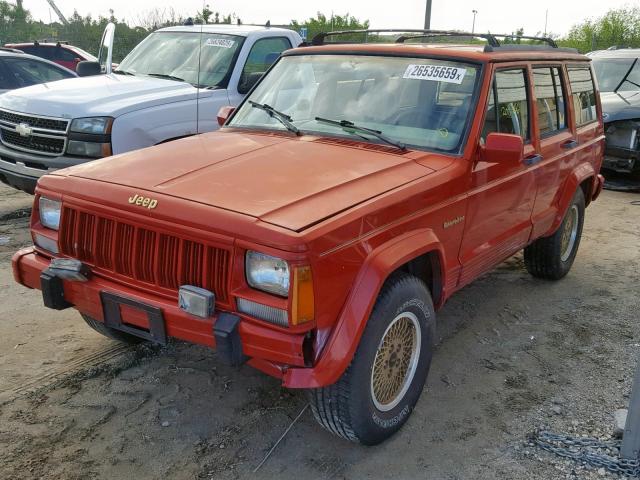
{"points": [[497, 16]]}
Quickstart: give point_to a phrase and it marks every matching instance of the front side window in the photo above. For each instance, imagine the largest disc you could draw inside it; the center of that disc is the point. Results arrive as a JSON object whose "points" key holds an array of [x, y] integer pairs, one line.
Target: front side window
{"points": [[262, 55], [26, 72], [177, 56], [583, 94], [419, 102], [550, 101], [508, 107]]}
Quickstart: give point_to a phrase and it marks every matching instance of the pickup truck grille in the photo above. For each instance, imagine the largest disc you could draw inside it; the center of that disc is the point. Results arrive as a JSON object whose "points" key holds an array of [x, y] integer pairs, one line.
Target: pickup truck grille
{"points": [[43, 135], [143, 254]]}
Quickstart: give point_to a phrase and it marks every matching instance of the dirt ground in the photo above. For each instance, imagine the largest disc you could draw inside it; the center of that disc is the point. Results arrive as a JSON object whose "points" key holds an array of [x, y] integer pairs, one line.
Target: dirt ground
{"points": [[515, 354]]}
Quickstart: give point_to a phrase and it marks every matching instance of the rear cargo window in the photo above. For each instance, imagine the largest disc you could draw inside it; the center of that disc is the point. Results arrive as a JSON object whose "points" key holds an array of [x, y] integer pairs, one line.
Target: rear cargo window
{"points": [[550, 101], [508, 108], [583, 94]]}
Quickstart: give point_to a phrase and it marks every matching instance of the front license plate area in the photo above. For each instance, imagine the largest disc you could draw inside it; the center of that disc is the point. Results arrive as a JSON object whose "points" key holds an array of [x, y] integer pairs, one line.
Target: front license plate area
{"points": [[112, 307]]}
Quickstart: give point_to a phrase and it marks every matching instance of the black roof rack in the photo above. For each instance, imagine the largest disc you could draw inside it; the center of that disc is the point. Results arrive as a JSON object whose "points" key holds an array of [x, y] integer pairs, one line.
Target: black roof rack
{"points": [[320, 38], [409, 34]]}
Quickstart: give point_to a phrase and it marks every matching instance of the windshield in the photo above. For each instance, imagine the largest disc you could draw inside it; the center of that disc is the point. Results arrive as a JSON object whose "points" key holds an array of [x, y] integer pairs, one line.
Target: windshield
{"points": [[611, 71], [175, 55], [417, 102]]}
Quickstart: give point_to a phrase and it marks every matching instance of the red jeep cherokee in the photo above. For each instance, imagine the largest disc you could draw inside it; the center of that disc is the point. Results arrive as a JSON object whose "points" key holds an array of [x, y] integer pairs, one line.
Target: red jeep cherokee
{"points": [[356, 189]]}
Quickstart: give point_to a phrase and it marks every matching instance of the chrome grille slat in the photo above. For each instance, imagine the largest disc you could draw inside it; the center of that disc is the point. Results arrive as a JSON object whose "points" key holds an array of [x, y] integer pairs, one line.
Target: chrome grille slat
{"points": [[48, 135], [143, 254]]}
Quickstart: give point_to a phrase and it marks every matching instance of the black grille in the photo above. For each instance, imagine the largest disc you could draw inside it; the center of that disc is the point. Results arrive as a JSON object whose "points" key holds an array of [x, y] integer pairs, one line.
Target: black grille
{"points": [[35, 122], [33, 142]]}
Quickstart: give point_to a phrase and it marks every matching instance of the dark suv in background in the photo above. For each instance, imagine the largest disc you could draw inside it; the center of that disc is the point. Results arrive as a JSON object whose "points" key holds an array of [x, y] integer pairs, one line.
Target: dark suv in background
{"points": [[59, 52]]}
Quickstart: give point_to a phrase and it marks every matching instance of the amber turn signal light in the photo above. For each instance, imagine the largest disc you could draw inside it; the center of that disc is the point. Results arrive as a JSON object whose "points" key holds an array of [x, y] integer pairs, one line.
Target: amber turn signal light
{"points": [[302, 306]]}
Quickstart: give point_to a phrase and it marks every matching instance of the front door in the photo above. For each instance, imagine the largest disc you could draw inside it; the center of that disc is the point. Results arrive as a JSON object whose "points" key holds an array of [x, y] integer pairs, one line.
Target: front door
{"points": [[498, 219]]}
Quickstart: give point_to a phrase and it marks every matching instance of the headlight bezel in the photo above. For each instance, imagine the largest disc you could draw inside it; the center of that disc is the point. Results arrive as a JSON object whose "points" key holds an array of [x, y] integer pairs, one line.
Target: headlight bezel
{"points": [[47, 212], [275, 272], [92, 125]]}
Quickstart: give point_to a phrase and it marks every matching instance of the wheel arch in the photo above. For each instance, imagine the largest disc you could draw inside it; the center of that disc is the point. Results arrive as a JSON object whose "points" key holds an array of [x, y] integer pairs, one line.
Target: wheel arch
{"points": [[583, 177], [418, 252]]}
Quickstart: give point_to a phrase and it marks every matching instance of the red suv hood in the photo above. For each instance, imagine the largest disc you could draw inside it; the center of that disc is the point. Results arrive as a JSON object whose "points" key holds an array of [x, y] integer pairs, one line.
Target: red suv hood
{"points": [[290, 182]]}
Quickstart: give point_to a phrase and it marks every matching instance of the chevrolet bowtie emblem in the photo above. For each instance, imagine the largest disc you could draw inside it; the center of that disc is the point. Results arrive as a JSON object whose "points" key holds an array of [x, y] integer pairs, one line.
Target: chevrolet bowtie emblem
{"points": [[24, 129]]}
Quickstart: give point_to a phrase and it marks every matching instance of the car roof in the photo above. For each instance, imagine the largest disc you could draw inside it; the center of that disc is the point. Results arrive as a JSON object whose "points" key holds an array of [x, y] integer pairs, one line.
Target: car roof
{"points": [[5, 54], [469, 52], [241, 30], [617, 53]]}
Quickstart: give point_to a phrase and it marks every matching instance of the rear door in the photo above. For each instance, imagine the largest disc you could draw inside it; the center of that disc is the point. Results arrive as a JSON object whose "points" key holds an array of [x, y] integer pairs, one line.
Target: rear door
{"points": [[586, 112], [498, 219], [557, 142]]}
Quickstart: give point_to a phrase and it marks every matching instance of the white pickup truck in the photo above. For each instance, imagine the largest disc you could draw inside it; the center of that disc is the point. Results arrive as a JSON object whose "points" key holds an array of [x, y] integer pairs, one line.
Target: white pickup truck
{"points": [[170, 86]]}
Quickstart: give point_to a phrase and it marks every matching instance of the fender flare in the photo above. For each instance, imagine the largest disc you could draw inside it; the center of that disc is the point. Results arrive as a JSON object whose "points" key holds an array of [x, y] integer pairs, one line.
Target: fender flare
{"points": [[571, 184], [345, 337]]}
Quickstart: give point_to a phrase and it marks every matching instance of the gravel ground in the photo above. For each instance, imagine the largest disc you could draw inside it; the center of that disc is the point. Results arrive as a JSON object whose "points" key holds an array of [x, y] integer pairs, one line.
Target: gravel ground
{"points": [[516, 354]]}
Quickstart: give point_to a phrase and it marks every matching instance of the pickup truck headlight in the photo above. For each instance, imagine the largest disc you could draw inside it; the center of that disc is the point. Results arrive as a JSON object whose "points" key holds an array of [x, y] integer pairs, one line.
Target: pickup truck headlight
{"points": [[50, 213], [95, 125], [267, 273]]}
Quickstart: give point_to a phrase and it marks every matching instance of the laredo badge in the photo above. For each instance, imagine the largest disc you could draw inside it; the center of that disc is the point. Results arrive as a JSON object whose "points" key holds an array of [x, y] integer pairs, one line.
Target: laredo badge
{"points": [[141, 201]]}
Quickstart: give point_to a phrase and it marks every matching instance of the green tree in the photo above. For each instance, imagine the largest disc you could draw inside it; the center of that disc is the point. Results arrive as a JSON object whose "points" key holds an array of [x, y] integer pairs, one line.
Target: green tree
{"points": [[619, 27], [322, 23]]}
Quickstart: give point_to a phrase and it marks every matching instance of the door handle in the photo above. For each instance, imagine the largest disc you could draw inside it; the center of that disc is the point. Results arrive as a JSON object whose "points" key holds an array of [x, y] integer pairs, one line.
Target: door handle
{"points": [[533, 159], [570, 144]]}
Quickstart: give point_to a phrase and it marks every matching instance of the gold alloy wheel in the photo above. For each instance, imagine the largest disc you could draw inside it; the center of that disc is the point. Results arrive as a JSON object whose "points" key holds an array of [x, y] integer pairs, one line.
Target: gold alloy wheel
{"points": [[569, 233], [396, 361]]}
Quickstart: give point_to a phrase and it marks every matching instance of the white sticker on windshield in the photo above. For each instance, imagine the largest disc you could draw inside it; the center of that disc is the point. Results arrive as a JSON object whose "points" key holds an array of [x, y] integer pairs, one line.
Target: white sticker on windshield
{"points": [[438, 73], [219, 42]]}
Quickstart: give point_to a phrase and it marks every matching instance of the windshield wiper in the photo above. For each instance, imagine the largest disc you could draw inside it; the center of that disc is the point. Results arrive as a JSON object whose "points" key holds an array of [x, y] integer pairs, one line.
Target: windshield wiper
{"points": [[626, 77], [124, 72], [283, 118], [353, 128], [165, 76]]}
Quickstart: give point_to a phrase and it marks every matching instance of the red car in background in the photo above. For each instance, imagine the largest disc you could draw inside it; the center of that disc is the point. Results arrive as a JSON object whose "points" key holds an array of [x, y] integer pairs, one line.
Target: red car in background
{"points": [[59, 52]]}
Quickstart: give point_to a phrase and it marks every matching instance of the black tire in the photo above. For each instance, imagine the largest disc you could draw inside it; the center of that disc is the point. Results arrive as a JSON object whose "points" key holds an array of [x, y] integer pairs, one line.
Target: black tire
{"points": [[111, 332], [349, 408], [550, 257]]}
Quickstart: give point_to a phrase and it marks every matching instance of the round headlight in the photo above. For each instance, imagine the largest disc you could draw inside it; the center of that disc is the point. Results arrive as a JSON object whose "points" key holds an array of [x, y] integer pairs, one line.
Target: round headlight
{"points": [[49, 213], [267, 273]]}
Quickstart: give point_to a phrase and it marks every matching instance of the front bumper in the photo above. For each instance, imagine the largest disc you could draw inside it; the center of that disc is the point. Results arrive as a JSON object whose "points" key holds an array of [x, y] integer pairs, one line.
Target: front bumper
{"points": [[21, 170], [621, 160], [266, 349]]}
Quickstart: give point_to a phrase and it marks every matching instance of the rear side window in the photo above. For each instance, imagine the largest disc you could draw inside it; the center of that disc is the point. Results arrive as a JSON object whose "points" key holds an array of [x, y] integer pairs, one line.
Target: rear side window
{"points": [[62, 54], [550, 101], [5, 80], [583, 94], [508, 108], [26, 72]]}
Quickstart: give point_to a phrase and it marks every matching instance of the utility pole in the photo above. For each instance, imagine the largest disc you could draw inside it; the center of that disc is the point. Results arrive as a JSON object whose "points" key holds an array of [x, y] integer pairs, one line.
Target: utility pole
{"points": [[546, 17], [427, 16], [473, 26]]}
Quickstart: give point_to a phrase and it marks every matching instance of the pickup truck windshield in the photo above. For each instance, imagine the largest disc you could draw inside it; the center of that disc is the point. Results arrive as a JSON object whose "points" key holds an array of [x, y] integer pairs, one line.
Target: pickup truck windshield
{"points": [[612, 73], [176, 54], [423, 103]]}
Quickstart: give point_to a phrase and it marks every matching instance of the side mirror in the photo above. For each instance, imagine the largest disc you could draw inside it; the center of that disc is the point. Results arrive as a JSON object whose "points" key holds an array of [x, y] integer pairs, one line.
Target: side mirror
{"points": [[87, 69], [504, 148], [248, 81], [224, 113]]}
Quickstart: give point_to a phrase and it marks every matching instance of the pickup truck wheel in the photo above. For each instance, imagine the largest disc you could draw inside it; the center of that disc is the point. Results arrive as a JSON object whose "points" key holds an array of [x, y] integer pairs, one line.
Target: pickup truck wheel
{"points": [[551, 257], [112, 333], [376, 394]]}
